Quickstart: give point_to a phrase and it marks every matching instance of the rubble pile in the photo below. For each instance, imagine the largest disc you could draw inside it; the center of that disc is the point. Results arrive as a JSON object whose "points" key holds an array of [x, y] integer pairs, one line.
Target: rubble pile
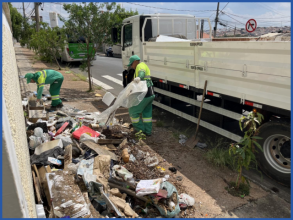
{"points": [[82, 168]]}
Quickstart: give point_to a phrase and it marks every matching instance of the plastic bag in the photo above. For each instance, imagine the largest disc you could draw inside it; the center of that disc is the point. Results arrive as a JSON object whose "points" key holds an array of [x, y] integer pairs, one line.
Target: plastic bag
{"points": [[34, 141], [38, 132], [172, 192], [130, 96], [46, 138], [73, 167], [66, 140], [151, 161], [121, 173], [146, 187], [186, 199], [85, 137], [140, 154]]}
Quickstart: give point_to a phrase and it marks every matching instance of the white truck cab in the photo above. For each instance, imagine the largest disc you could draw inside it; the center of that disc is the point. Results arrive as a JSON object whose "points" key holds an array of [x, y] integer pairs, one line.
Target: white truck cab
{"points": [[153, 25]]}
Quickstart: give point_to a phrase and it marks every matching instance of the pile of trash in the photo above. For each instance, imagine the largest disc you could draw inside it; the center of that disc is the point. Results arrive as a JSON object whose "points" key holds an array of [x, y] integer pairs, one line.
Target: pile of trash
{"points": [[84, 166]]}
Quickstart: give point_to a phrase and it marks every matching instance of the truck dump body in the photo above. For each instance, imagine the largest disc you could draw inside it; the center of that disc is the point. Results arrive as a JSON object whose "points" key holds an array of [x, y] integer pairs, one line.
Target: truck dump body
{"points": [[254, 71]]}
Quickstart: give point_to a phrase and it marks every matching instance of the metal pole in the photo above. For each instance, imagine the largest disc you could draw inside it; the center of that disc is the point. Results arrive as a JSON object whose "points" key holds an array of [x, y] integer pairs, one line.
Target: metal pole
{"points": [[203, 95], [216, 20], [37, 16]]}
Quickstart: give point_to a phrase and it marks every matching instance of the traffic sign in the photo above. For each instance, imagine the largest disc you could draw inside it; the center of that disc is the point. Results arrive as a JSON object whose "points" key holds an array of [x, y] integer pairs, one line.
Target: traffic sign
{"points": [[250, 25]]}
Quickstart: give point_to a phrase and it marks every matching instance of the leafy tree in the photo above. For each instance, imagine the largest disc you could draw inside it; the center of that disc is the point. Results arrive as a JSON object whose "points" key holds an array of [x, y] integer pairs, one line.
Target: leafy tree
{"points": [[16, 20], [48, 42], [243, 152], [91, 21], [117, 18]]}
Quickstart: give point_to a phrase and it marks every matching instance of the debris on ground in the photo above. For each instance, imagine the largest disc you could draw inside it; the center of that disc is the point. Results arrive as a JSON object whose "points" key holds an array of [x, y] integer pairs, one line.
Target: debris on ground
{"points": [[86, 168]]}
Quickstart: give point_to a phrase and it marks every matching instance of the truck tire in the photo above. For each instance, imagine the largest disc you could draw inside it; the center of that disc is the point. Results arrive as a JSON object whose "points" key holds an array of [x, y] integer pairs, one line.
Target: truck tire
{"points": [[275, 160]]}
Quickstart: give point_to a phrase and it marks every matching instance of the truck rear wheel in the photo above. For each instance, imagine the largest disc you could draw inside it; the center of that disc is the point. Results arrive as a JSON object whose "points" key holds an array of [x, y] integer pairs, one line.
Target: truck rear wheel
{"points": [[275, 160]]}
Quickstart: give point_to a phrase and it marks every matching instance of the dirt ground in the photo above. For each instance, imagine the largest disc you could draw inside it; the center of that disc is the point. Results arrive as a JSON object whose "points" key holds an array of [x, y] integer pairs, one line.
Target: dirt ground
{"points": [[201, 180]]}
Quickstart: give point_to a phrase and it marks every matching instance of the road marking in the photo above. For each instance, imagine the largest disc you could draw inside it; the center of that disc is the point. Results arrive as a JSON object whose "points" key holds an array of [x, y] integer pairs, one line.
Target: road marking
{"points": [[99, 83], [113, 79], [120, 74]]}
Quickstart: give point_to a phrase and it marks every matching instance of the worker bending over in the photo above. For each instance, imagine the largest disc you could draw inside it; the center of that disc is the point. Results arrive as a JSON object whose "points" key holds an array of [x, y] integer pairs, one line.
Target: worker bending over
{"points": [[51, 77]]}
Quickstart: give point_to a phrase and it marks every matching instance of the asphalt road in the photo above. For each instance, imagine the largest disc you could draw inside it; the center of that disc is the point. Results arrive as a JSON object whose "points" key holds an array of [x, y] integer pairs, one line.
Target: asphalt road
{"points": [[107, 73]]}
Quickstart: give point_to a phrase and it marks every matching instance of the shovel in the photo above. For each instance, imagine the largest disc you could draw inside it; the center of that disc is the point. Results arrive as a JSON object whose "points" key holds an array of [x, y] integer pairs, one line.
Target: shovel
{"points": [[193, 140]]}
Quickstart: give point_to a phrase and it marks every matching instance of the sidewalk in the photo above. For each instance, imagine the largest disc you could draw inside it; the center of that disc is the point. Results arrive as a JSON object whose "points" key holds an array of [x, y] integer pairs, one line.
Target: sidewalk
{"points": [[204, 182]]}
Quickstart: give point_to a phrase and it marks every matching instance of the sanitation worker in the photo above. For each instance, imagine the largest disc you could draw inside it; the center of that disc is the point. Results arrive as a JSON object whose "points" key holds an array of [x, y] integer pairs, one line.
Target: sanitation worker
{"points": [[51, 77], [142, 73]]}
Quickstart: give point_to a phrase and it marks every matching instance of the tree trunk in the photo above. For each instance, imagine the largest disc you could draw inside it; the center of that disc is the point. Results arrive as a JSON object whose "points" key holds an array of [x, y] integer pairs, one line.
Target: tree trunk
{"points": [[239, 179], [89, 65]]}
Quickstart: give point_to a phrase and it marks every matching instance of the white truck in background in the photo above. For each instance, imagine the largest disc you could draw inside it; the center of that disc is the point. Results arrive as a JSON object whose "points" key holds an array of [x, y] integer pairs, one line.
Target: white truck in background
{"points": [[242, 74]]}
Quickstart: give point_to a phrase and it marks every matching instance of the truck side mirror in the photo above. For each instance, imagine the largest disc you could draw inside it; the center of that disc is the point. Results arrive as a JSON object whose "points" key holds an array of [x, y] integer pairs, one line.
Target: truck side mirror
{"points": [[114, 35]]}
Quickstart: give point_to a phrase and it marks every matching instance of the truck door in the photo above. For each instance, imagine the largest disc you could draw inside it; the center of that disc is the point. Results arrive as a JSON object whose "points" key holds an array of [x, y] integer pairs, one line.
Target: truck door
{"points": [[127, 43]]}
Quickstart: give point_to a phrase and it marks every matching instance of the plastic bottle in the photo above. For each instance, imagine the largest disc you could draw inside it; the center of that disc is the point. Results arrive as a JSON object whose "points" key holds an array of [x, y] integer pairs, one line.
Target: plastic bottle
{"points": [[125, 155]]}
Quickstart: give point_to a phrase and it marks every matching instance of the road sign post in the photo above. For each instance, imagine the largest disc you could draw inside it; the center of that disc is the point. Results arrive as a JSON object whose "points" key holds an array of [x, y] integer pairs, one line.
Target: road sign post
{"points": [[251, 25]]}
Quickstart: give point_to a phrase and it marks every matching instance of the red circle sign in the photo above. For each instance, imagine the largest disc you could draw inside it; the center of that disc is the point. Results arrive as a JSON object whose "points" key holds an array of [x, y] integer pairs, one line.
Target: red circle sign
{"points": [[250, 25]]}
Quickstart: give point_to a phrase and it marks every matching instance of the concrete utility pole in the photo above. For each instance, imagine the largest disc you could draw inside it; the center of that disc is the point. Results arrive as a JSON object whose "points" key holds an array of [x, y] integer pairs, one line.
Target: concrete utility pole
{"points": [[23, 10], [37, 16], [216, 20]]}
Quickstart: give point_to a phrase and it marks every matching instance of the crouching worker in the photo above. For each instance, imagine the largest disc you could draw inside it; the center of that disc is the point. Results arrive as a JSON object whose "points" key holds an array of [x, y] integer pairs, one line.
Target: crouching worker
{"points": [[142, 73], [51, 77]]}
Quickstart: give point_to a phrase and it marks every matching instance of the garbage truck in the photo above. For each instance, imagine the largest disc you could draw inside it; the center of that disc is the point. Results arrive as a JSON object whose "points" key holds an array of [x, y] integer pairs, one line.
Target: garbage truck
{"points": [[242, 75]]}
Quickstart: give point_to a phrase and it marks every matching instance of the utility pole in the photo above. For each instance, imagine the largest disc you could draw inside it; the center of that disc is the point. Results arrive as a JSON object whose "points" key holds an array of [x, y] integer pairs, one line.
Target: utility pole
{"points": [[201, 29], [216, 20], [37, 16], [23, 11], [234, 30]]}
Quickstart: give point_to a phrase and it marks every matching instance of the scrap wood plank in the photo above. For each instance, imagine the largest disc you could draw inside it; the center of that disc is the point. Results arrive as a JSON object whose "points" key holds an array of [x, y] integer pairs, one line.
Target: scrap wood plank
{"points": [[110, 141], [38, 176], [67, 156], [38, 194], [111, 147], [42, 172], [100, 150]]}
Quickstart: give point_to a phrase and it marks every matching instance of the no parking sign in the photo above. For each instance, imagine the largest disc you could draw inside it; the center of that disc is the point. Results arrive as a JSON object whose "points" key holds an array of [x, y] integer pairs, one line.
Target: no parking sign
{"points": [[251, 25]]}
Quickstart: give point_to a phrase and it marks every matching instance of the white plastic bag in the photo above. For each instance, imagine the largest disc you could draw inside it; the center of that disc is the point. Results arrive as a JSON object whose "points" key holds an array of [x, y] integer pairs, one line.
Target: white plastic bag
{"points": [[38, 132], [186, 199], [34, 141], [121, 173], [85, 137], [151, 161], [130, 96], [146, 187], [66, 140]]}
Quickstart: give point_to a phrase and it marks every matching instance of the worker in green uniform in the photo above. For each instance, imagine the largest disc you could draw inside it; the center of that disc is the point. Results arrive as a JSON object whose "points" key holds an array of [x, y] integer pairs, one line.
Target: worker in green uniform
{"points": [[51, 77], [142, 73]]}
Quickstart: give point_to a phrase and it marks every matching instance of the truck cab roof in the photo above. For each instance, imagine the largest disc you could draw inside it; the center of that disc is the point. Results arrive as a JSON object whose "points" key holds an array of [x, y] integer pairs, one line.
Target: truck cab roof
{"points": [[159, 15]]}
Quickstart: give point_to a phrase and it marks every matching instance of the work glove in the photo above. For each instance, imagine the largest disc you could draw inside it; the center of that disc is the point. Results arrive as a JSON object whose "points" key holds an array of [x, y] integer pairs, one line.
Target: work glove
{"points": [[137, 80]]}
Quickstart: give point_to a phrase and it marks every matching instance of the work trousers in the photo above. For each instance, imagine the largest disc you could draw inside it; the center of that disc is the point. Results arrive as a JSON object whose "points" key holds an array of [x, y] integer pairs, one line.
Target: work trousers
{"points": [[55, 91], [145, 108]]}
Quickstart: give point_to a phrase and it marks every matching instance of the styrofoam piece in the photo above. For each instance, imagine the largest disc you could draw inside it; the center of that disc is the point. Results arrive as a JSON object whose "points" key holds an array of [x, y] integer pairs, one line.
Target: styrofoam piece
{"points": [[108, 98], [40, 211], [48, 146]]}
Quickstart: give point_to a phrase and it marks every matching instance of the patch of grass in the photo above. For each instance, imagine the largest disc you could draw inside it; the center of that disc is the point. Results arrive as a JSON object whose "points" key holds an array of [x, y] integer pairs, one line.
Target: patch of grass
{"points": [[244, 189], [160, 124], [98, 87], [81, 76], [176, 135], [220, 157], [75, 79]]}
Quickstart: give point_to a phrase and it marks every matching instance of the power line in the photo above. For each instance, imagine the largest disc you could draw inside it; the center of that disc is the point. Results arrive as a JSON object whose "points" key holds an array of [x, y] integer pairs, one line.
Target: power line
{"points": [[224, 7], [250, 17], [28, 5], [167, 8], [268, 8], [233, 18]]}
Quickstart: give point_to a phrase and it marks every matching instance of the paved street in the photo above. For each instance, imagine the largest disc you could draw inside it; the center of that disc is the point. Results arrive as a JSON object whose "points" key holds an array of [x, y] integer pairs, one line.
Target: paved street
{"points": [[107, 73]]}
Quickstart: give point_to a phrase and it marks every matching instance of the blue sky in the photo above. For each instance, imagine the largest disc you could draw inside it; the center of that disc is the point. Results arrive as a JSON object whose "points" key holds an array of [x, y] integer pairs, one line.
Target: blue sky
{"points": [[233, 14]]}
